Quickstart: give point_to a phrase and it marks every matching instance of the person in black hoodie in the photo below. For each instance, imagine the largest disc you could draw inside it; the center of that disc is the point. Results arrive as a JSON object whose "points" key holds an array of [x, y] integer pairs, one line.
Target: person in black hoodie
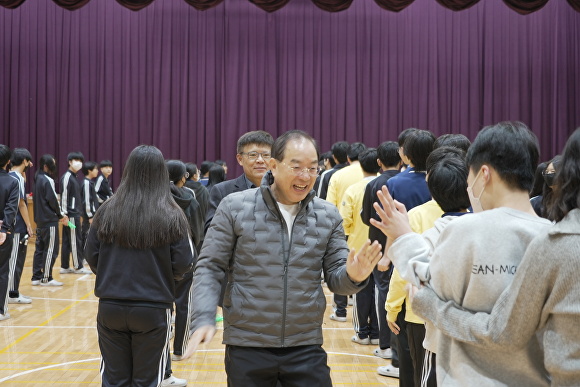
{"points": [[138, 245], [47, 214], [185, 198]]}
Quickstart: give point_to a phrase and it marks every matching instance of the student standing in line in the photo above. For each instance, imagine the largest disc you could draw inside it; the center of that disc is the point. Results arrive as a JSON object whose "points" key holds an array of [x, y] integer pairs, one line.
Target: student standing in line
{"points": [[47, 214], [71, 205], [8, 209], [102, 185], [89, 197], [21, 161], [140, 233]]}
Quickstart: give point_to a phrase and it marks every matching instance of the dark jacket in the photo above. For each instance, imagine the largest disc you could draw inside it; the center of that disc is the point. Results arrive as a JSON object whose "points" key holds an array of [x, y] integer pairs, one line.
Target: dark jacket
{"points": [[103, 189], [184, 197], [71, 203], [220, 191], [201, 195], [89, 198], [143, 277], [47, 211], [9, 197], [274, 297]]}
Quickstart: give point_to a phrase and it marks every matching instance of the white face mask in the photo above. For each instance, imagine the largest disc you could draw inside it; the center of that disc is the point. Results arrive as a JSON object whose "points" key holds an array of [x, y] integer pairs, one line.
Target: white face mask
{"points": [[76, 165], [475, 201]]}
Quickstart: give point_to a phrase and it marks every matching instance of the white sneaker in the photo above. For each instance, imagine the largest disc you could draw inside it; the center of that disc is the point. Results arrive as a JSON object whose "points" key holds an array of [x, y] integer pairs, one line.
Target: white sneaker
{"points": [[337, 318], [4, 317], [173, 381], [383, 353], [19, 300], [35, 282], [83, 270], [388, 370], [350, 301], [23, 296], [375, 341], [66, 271], [51, 283], [176, 357], [358, 340]]}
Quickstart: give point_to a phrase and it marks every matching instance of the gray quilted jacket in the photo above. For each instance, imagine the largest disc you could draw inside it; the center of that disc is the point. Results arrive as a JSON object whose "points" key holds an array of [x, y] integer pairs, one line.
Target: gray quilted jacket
{"points": [[274, 296]]}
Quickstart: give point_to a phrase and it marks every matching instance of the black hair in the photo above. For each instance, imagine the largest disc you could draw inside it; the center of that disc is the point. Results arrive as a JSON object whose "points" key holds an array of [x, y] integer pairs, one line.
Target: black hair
{"points": [[440, 154], [19, 155], [76, 156], [452, 139], [404, 134], [511, 149], [88, 166], [547, 191], [327, 156], [447, 182], [368, 160], [191, 169], [176, 170], [279, 146], [340, 151], [5, 154], [106, 163], [538, 185], [567, 181], [258, 137], [217, 174], [47, 160], [220, 162], [417, 147], [205, 166], [355, 149], [388, 153], [142, 214]]}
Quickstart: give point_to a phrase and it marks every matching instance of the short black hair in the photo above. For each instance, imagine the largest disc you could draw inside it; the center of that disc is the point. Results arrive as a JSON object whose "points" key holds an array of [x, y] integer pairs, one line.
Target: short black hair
{"points": [[205, 167], [404, 134], [76, 156], [258, 137], [328, 156], [19, 155], [388, 153], [538, 185], [340, 151], [511, 149], [447, 182], [279, 146], [88, 166], [440, 154], [191, 169], [417, 147], [452, 139], [220, 162], [368, 160], [355, 149], [5, 154], [106, 163], [176, 170]]}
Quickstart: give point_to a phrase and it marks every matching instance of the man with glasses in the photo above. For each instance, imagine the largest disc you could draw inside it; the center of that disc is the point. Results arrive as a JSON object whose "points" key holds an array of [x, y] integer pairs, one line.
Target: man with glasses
{"points": [[253, 155], [272, 244]]}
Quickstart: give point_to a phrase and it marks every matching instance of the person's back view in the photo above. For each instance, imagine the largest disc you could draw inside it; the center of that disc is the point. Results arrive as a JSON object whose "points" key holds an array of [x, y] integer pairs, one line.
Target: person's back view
{"points": [[138, 246]]}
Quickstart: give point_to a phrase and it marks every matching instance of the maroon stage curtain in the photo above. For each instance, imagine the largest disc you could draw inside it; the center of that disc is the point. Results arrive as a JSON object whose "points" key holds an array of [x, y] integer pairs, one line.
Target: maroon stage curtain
{"points": [[457, 5], [525, 7], [332, 5], [203, 5]]}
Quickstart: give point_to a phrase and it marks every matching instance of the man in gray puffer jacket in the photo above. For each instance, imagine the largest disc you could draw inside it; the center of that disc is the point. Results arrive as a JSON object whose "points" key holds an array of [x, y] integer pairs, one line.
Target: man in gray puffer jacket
{"points": [[271, 244]]}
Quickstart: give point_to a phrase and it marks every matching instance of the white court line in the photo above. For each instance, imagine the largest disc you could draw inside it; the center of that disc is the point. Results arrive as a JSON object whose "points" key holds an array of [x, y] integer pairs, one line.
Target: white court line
{"points": [[58, 299], [45, 368], [98, 358], [85, 277]]}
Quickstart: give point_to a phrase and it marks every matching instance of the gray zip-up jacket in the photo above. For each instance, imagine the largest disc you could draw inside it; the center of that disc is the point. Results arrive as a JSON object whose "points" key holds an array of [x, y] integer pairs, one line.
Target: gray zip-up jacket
{"points": [[274, 296]]}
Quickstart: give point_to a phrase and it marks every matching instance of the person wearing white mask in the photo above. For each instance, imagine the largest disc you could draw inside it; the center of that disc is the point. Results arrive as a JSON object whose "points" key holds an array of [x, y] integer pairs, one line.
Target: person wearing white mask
{"points": [[476, 257], [72, 206]]}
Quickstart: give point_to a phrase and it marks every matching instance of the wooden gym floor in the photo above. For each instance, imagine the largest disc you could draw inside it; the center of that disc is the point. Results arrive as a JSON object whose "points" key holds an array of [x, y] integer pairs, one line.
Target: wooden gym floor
{"points": [[53, 341]]}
